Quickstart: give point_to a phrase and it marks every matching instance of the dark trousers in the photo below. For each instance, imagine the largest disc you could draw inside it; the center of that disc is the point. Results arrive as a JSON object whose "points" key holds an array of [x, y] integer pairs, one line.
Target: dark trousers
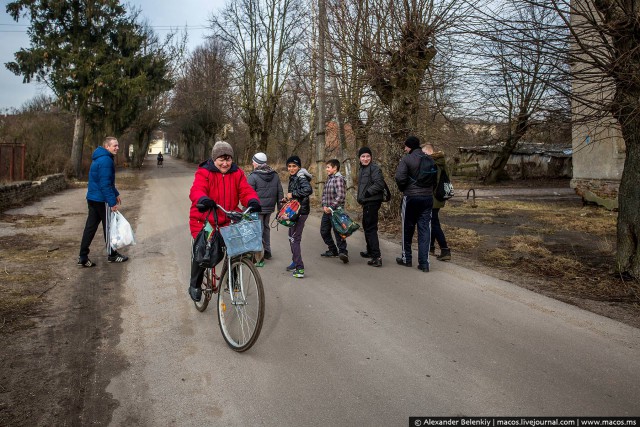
{"points": [[416, 211], [340, 245], [370, 227], [99, 212], [436, 230], [295, 238]]}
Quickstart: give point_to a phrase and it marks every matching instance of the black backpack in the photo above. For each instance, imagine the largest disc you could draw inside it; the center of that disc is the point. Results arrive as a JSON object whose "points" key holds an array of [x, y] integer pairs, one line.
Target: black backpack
{"points": [[427, 173], [444, 189]]}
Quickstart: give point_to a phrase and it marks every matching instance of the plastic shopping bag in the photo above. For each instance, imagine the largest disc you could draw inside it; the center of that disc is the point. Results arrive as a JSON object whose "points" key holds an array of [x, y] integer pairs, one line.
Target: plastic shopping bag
{"points": [[120, 232]]}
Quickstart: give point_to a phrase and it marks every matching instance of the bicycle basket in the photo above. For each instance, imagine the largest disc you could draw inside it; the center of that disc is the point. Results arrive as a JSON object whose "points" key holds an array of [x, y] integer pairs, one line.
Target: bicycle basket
{"points": [[242, 237]]}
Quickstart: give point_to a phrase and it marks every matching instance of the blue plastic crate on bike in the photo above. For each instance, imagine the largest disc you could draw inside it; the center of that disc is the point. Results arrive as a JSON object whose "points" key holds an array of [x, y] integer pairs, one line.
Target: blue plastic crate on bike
{"points": [[243, 237]]}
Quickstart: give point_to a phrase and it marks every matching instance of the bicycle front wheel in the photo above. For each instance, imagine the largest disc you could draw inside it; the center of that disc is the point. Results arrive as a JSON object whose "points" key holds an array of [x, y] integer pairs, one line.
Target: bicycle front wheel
{"points": [[241, 304]]}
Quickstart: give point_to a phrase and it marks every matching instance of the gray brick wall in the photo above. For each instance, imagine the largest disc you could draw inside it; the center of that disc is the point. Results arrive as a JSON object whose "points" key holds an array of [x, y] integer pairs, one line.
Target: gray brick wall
{"points": [[17, 193]]}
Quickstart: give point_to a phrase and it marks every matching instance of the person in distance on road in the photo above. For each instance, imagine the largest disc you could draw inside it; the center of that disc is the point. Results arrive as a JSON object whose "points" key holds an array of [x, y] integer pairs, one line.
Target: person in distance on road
{"points": [[217, 181]]}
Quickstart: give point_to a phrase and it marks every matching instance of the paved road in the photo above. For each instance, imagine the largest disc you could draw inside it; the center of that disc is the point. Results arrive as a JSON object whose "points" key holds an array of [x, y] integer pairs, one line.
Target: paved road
{"points": [[354, 345]]}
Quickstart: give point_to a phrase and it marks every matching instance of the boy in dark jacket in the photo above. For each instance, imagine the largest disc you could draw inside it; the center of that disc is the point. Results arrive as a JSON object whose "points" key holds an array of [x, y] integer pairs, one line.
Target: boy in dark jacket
{"points": [[267, 184], [299, 189], [102, 199], [371, 187], [333, 197], [416, 205]]}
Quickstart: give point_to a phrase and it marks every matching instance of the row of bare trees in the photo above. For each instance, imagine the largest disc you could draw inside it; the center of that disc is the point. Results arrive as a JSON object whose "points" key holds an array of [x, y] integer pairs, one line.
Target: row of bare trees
{"points": [[272, 75]]}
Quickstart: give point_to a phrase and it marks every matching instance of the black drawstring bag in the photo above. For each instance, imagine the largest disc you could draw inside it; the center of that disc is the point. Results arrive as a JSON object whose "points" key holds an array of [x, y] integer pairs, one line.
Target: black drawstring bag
{"points": [[208, 252]]}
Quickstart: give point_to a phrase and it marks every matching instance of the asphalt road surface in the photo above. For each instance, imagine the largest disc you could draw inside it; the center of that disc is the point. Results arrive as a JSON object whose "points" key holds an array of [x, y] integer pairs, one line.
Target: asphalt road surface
{"points": [[351, 344]]}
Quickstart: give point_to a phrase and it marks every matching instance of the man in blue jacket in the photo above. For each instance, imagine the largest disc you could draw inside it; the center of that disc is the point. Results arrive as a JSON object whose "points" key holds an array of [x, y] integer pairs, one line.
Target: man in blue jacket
{"points": [[102, 199]]}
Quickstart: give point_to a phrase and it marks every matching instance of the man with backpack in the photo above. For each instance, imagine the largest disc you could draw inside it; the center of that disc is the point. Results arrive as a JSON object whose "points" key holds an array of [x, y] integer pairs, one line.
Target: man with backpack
{"points": [[415, 177], [437, 234], [371, 188]]}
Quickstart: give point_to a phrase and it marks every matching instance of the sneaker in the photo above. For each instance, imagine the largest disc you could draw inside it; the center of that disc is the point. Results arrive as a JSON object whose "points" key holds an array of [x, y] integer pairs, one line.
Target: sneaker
{"points": [[85, 263], [401, 262], [329, 254], [194, 293], [259, 263], [445, 255], [291, 267], [375, 262], [116, 257], [267, 255], [299, 273], [365, 255], [344, 257], [424, 268]]}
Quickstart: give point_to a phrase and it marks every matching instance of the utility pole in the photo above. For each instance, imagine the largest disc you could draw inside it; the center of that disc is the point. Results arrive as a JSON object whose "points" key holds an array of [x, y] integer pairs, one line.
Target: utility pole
{"points": [[320, 124]]}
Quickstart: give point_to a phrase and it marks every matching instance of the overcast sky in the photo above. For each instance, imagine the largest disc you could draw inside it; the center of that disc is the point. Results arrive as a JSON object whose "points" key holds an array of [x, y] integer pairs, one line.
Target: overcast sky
{"points": [[161, 14]]}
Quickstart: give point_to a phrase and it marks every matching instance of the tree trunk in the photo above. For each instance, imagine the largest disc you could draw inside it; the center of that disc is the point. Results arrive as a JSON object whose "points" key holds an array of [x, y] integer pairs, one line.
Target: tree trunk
{"points": [[77, 145], [498, 164], [320, 124], [628, 239]]}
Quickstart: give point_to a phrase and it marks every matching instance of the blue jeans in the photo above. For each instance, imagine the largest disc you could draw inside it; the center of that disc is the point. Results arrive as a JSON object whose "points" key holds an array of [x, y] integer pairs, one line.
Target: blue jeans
{"points": [[416, 210]]}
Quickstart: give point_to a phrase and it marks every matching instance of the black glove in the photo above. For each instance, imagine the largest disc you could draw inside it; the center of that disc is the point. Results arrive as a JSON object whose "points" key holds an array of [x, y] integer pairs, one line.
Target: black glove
{"points": [[205, 204], [255, 206]]}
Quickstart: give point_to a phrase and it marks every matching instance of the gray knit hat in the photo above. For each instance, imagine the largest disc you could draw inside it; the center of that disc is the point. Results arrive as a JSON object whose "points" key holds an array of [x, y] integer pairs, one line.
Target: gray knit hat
{"points": [[260, 158], [221, 148]]}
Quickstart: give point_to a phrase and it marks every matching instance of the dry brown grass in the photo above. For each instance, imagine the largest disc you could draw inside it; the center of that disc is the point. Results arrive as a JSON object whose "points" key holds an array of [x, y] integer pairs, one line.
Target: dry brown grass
{"points": [[462, 239], [25, 276]]}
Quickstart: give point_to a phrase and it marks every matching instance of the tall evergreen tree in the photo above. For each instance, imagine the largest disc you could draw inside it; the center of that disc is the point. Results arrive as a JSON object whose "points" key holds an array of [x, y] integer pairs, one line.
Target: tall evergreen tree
{"points": [[90, 53]]}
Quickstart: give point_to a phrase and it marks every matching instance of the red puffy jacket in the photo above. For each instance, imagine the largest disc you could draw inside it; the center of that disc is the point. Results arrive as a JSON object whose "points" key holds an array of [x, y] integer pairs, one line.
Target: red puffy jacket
{"points": [[227, 190]]}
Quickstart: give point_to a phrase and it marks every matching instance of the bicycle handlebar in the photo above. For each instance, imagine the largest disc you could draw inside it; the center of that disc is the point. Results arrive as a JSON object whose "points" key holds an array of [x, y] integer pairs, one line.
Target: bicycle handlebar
{"points": [[233, 215]]}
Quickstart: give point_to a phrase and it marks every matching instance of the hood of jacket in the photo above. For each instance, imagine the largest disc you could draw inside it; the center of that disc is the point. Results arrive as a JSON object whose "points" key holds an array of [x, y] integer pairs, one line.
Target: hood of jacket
{"points": [[304, 173], [100, 152], [265, 173], [211, 166]]}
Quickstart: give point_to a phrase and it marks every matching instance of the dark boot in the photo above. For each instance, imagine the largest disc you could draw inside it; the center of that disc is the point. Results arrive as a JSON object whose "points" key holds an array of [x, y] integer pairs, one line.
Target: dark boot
{"points": [[375, 262], [445, 254]]}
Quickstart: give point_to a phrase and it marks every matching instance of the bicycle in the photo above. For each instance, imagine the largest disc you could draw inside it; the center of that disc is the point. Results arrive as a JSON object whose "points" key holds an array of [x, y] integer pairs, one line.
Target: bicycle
{"points": [[240, 294]]}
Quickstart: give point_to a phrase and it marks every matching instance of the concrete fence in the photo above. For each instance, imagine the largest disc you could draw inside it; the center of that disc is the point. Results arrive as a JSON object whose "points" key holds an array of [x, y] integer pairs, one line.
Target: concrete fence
{"points": [[17, 193]]}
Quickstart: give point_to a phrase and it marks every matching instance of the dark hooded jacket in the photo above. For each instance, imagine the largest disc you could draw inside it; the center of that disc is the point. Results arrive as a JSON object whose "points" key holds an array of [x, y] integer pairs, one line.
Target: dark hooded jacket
{"points": [[300, 188], [267, 184], [406, 173], [370, 184]]}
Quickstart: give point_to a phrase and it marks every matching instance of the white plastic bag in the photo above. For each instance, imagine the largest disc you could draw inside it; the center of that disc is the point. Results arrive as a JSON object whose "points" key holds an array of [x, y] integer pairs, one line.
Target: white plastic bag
{"points": [[120, 232]]}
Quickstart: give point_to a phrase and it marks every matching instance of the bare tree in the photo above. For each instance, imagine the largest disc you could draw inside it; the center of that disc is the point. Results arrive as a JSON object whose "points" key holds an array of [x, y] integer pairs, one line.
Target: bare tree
{"points": [[262, 37], [605, 55], [201, 101], [519, 76]]}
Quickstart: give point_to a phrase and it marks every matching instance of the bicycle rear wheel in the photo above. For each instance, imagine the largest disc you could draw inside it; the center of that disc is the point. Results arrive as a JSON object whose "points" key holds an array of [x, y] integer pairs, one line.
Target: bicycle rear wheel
{"points": [[241, 304], [207, 290]]}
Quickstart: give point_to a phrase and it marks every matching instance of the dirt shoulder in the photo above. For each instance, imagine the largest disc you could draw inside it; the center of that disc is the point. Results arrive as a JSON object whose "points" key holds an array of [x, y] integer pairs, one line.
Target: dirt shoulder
{"points": [[539, 235], [59, 323]]}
